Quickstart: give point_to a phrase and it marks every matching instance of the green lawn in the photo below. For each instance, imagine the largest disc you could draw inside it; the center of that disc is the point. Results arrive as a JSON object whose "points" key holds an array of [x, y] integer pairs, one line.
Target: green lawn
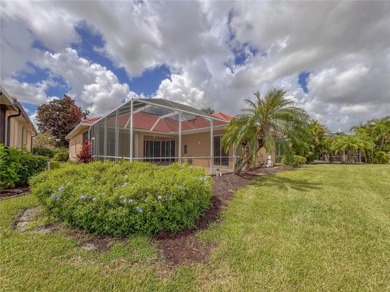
{"points": [[319, 228]]}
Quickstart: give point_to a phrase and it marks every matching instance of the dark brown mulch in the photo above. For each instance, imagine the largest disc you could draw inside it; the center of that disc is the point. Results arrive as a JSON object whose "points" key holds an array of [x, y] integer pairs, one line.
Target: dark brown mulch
{"points": [[8, 193]]}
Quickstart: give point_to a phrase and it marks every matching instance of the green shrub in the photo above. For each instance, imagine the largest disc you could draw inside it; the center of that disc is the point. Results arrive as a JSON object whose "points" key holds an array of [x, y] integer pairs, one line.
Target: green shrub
{"points": [[278, 158], [17, 166], [8, 176], [381, 157], [43, 151], [61, 156], [294, 160], [117, 199]]}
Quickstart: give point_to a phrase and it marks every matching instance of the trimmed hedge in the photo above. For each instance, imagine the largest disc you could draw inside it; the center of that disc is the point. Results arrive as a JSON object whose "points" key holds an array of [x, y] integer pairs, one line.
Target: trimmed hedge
{"points": [[61, 156], [123, 198], [17, 166], [43, 151], [294, 160]]}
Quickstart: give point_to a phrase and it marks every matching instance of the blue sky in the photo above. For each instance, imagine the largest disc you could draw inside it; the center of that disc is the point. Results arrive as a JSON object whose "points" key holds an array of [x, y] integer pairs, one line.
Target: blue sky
{"points": [[201, 53]]}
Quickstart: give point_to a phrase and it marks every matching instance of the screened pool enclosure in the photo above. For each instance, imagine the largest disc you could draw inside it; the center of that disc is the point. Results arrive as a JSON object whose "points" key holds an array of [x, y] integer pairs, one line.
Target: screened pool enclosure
{"points": [[162, 131]]}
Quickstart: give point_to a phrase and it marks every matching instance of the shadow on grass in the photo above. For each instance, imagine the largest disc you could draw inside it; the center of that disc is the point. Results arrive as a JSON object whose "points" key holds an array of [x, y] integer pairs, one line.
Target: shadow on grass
{"points": [[284, 183]]}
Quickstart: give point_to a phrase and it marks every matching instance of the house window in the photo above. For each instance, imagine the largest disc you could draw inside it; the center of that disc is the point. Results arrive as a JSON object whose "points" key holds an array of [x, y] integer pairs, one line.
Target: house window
{"points": [[185, 149], [85, 136]]}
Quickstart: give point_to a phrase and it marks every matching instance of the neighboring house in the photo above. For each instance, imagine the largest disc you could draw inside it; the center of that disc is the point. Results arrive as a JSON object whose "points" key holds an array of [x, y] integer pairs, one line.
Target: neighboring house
{"points": [[77, 136], [16, 128], [157, 130]]}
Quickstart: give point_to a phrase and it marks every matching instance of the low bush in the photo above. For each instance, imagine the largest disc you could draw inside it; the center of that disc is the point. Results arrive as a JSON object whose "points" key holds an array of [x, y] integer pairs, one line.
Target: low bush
{"points": [[381, 157], [8, 176], [85, 155], [294, 160], [278, 158], [61, 156], [17, 166], [43, 151], [127, 197]]}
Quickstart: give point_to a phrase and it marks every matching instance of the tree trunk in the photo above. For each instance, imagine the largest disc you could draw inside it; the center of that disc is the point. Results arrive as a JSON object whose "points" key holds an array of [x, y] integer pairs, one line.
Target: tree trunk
{"points": [[241, 166], [245, 161]]}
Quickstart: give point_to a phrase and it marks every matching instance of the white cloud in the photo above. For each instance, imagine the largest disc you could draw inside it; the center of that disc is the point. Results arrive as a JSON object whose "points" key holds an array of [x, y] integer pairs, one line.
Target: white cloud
{"points": [[27, 92], [180, 89], [344, 46], [15, 47], [338, 86], [50, 24], [93, 86]]}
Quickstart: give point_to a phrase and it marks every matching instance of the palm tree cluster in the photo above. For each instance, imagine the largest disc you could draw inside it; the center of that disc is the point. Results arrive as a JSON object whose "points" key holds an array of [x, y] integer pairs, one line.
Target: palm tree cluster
{"points": [[377, 131], [273, 120], [352, 147]]}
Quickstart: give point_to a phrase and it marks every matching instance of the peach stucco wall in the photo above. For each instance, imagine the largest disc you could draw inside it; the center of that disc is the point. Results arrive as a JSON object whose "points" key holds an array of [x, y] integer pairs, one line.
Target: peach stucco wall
{"points": [[20, 132], [75, 146], [198, 147]]}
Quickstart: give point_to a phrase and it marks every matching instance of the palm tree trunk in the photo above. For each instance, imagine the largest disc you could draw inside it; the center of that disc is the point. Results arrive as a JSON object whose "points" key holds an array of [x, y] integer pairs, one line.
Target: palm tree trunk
{"points": [[245, 161]]}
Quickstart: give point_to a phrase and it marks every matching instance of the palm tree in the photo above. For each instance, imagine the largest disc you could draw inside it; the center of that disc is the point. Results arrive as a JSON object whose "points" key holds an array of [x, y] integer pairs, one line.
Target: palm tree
{"points": [[265, 120], [208, 110]]}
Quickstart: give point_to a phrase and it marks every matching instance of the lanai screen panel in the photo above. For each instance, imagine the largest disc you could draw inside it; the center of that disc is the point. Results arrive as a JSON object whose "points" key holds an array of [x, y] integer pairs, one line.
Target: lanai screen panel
{"points": [[124, 131], [162, 126]]}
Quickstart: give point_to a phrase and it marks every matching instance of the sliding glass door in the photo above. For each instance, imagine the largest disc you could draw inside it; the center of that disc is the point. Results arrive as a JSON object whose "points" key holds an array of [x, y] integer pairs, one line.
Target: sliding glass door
{"points": [[220, 156], [159, 151]]}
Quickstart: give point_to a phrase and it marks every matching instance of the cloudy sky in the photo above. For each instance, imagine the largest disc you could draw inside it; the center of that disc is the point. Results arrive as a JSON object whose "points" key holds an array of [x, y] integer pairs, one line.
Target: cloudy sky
{"points": [[332, 57]]}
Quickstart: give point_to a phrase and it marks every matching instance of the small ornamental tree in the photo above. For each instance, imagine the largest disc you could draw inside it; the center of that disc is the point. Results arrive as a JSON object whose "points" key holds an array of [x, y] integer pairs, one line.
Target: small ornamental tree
{"points": [[59, 117], [85, 155]]}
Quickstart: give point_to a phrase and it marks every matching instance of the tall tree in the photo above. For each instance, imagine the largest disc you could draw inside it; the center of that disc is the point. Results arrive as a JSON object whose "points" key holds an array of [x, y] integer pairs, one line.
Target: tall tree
{"points": [[208, 110], [44, 140], [59, 117], [264, 121]]}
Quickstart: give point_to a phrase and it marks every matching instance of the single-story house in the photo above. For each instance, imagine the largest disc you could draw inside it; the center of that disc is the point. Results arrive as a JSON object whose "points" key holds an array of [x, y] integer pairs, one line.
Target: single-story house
{"points": [[160, 131], [16, 128]]}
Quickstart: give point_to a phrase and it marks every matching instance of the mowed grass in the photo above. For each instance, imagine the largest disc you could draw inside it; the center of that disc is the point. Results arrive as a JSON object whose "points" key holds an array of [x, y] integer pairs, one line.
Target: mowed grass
{"points": [[319, 228]]}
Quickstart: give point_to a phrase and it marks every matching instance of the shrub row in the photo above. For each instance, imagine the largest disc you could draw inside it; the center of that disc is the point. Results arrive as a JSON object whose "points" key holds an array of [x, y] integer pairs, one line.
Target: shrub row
{"points": [[294, 160], [58, 154], [43, 151], [122, 198], [17, 166], [61, 156]]}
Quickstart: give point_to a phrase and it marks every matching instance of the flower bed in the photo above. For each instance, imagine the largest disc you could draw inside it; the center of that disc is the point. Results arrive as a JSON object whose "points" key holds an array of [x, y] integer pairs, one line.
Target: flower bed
{"points": [[117, 199]]}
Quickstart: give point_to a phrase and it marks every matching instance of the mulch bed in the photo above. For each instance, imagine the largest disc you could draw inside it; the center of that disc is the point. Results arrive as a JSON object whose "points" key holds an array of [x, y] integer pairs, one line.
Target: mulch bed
{"points": [[8, 193]]}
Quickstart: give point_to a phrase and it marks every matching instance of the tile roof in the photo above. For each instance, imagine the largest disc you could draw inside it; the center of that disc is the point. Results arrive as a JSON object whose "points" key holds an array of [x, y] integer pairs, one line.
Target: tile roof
{"points": [[223, 116], [90, 120]]}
